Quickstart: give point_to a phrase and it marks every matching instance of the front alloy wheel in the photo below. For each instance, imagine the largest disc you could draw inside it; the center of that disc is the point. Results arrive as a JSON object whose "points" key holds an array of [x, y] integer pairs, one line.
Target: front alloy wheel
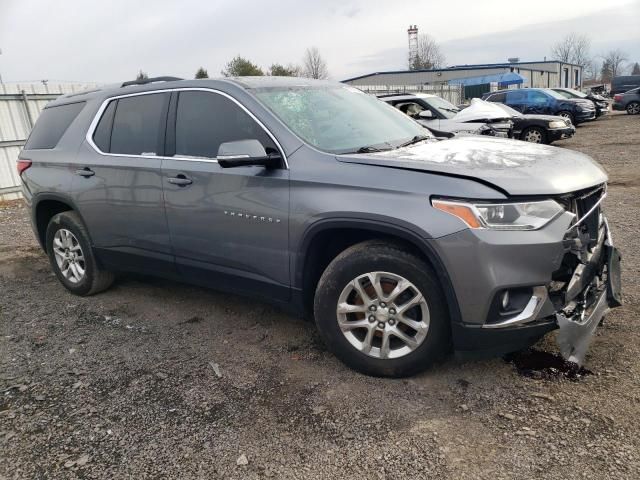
{"points": [[381, 310], [533, 135], [383, 315], [633, 108]]}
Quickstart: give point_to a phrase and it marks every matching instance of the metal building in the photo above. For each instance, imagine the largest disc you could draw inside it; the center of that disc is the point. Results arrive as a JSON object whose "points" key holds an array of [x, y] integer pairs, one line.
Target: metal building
{"points": [[543, 74], [20, 106]]}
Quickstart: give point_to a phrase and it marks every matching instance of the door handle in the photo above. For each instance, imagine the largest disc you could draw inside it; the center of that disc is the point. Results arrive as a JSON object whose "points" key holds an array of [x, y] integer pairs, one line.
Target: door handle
{"points": [[85, 172], [180, 180]]}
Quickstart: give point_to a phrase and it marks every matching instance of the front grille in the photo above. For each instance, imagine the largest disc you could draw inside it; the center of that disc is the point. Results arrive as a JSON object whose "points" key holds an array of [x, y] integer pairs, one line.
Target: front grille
{"points": [[586, 206], [584, 242]]}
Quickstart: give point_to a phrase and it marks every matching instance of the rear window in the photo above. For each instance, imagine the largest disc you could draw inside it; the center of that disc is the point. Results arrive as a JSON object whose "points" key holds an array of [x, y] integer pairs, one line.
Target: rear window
{"points": [[137, 125], [498, 97], [51, 125]]}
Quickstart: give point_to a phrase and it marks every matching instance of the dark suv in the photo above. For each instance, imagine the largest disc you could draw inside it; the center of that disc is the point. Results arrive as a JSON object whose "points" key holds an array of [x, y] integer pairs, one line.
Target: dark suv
{"points": [[324, 200], [545, 101], [629, 101]]}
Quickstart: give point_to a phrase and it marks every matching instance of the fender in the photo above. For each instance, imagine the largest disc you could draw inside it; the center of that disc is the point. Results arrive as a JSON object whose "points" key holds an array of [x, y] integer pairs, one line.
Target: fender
{"points": [[60, 197], [387, 226]]}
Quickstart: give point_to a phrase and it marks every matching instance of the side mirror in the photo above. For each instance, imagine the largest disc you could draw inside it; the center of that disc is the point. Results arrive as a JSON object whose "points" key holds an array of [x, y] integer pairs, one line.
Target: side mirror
{"points": [[245, 153], [425, 114]]}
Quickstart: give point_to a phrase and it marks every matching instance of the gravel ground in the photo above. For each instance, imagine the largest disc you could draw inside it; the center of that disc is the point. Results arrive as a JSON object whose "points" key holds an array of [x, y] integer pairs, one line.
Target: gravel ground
{"points": [[158, 379]]}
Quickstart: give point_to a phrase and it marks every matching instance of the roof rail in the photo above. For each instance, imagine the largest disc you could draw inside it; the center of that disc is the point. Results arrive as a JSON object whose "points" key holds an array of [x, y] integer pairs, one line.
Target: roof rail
{"points": [[397, 94], [144, 81]]}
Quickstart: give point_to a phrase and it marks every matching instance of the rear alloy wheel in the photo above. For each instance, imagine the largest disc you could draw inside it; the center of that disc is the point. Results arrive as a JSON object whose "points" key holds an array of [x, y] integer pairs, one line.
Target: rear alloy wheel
{"points": [[71, 256], [381, 310], [633, 108], [534, 135], [568, 116]]}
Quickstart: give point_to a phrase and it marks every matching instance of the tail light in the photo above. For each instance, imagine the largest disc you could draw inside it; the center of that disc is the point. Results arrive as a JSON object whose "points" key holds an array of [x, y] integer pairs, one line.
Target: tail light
{"points": [[617, 97], [23, 165]]}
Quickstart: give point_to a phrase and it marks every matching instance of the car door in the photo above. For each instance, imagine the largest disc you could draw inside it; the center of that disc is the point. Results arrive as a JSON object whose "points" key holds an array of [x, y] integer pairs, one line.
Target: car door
{"points": [[517, 99], [538, 102], [228, 226], [118, 183]]}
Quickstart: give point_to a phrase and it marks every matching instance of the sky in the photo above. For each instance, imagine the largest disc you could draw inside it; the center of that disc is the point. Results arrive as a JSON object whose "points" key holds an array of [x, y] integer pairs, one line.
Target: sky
{"points": [[110, 41]]}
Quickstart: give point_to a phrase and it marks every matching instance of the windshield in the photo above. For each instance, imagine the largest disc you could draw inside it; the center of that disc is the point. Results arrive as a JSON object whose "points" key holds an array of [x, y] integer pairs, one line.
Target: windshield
{"points": [[570, 93], [447, 109], [340, 119]]}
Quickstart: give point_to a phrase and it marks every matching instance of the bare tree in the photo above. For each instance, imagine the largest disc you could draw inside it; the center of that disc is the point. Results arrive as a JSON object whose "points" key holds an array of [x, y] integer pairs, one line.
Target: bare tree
{"points": [[573, 48], [635, 70], [615, 59], [142, 75], [429, 54], [314, 65]]}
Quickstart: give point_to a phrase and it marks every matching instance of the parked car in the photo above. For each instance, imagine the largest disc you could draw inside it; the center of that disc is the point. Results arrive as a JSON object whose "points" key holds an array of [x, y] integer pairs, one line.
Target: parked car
{"points": [[323, 200], [437, 113], [624, 83], [629, 101], [545, 101], [601, 104], [538, 128]]}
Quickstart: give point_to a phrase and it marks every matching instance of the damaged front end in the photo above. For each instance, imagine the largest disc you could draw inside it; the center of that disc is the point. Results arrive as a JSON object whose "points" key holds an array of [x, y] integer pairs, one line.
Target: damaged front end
{"points": [[587, 284]]}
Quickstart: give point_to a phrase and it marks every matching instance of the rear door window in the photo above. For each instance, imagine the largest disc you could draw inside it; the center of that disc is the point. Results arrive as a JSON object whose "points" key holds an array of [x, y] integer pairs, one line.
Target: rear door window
{"points": [[138, 125], [51, 125], [204, 120], [516, 97]]}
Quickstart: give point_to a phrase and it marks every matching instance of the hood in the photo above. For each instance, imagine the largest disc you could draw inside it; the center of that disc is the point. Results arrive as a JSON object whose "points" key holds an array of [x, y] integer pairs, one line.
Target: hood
{"points": [[481, 110], [546, 118], [515, 167], [578, 101]]}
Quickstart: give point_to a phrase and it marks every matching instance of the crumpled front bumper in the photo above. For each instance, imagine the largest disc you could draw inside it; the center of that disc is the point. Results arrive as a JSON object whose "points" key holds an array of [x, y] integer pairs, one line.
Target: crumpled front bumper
{"points": [[571, 295]]}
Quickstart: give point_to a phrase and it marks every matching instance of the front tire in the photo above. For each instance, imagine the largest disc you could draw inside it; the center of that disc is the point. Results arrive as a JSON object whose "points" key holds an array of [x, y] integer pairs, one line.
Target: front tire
{"points": [[381, 310], [567, 115], [71, 256], [534, 135], [633, 108]]}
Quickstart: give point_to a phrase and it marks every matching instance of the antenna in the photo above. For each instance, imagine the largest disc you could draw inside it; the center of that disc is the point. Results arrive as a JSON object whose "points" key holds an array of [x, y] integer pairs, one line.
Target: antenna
{"points": [[413, 45]]}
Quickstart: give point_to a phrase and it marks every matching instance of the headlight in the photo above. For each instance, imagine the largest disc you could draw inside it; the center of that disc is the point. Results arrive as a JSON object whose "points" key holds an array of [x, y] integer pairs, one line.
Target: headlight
{"points": [[557, 124], [502, 216], [579, 108]]}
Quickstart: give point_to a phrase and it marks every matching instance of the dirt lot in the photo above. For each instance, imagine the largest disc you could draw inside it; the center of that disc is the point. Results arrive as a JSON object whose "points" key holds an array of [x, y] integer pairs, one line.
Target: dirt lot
{"points": [[121, 385]]}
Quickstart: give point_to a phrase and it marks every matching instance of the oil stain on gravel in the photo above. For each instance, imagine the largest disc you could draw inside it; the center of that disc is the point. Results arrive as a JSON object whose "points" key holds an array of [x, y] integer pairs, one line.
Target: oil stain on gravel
{"points": [[545, 365]]}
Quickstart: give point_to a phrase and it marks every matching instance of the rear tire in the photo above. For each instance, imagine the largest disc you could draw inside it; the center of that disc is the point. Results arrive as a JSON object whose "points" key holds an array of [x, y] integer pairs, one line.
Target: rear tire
{"points": [[633, 108], [534, 135], [408, 330], [71, 256]]}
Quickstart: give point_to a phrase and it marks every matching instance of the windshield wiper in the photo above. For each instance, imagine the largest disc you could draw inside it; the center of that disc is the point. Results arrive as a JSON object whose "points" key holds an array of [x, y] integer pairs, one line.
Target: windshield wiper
{"points": [[416, 139], [369, 149]]}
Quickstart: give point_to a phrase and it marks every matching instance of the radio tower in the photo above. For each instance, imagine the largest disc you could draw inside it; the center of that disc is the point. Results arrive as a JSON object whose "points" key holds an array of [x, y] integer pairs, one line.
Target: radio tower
{"points": [[413, 45]]}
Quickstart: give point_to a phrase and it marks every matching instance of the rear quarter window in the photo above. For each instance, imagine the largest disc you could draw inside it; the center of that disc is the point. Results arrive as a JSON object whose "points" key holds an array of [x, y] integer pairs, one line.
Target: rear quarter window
{"points": [[51, 125], [498, 97]]}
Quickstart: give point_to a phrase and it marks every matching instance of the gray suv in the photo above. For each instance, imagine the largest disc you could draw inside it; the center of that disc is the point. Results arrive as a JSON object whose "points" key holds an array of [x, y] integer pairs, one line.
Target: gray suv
{"points": [[332, 204]]}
